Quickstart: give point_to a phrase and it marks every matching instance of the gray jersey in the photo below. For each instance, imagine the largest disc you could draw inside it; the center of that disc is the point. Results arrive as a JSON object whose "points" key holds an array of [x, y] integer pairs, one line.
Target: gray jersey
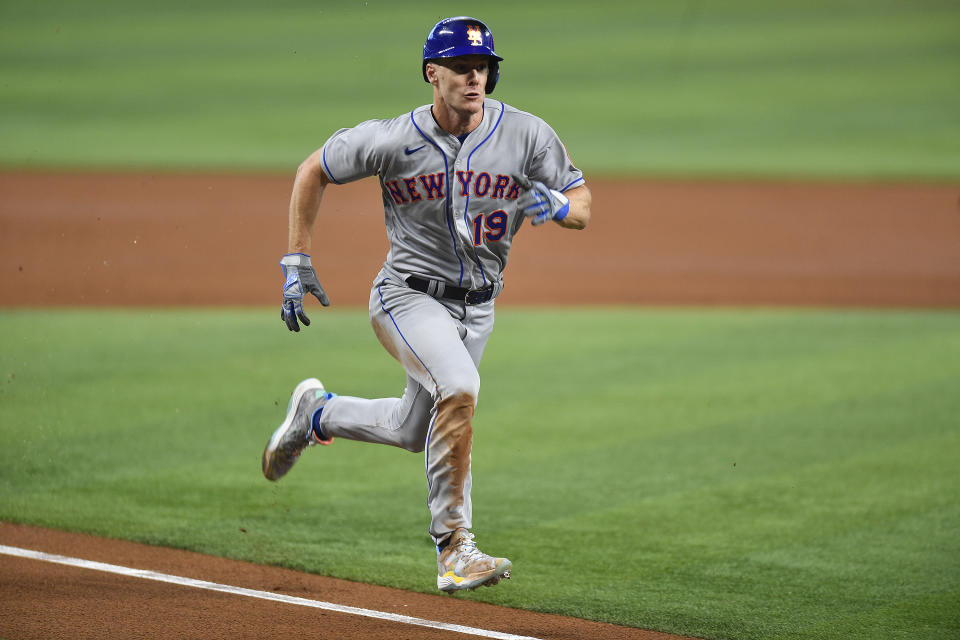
{"points": [[450, 208]]}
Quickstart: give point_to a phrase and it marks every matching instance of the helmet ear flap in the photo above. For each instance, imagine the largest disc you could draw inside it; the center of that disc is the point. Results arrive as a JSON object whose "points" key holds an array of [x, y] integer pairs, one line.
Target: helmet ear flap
{"points": [[493, 74]]}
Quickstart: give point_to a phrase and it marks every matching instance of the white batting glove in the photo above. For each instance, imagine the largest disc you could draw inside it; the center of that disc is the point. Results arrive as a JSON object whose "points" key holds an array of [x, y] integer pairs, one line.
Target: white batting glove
{"points": [[540, 202], [301, 279]]}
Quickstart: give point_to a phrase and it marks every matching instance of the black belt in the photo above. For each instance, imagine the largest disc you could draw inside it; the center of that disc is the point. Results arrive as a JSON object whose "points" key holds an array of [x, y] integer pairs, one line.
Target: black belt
{"points": [[450, 292]]}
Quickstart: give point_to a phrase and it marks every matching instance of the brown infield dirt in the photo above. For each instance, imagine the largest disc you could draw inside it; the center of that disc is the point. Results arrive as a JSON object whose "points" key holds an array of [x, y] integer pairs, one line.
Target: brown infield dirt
{"points": [[160, 239], [171, 240]]}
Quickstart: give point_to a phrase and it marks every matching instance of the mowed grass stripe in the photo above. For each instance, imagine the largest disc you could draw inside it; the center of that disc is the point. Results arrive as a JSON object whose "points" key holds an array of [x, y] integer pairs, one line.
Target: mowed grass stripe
{"points": [[852, 89]]}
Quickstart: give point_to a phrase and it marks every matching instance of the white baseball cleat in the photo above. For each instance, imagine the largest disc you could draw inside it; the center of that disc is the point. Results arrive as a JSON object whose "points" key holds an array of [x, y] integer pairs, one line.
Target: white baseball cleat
{"points": [[296, 432], [462, 566]]}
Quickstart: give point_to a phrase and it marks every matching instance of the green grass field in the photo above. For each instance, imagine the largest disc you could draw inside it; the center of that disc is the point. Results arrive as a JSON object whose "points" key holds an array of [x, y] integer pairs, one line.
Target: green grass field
{"points": [[808, 88], [723, 474]]}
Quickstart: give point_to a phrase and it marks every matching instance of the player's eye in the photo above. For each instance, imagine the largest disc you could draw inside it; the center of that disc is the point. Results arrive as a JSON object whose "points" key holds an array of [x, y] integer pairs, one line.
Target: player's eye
{"points": [[467, 68]]}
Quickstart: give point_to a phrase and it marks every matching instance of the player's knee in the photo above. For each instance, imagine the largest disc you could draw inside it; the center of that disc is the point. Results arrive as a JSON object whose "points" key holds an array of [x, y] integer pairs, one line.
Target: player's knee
{"points": [[454, 420], [453, 431], [455, 416], [465, 389], [459, 403]]}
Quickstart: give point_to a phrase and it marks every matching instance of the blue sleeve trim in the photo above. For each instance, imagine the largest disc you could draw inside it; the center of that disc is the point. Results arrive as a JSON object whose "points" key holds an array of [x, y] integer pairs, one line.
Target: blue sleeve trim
{"points": [[572, 184], [326, 168]]}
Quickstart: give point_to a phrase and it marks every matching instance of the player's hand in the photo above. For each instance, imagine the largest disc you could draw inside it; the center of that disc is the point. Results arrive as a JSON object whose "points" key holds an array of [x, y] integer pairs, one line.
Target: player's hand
{"points": [[301, 279], [540, 202]]}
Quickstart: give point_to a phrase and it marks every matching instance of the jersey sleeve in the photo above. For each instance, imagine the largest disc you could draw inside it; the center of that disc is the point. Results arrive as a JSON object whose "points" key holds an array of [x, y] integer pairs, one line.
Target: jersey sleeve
{"points": [[352, 154], [551, 164]]}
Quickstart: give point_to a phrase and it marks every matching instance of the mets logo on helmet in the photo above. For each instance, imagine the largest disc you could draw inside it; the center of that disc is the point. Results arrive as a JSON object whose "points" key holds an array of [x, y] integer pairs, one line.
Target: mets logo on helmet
{"points": [[475, 36]]}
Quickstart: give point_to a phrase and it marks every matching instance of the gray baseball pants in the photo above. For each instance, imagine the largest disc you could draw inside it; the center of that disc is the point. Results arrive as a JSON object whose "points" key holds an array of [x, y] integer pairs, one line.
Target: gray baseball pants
{"points": [[440, 344]]}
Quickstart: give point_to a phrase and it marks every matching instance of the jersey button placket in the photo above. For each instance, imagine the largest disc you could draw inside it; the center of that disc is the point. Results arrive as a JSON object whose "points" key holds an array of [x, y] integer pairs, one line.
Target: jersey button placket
{"points": [[456, 209], [463, 213]]}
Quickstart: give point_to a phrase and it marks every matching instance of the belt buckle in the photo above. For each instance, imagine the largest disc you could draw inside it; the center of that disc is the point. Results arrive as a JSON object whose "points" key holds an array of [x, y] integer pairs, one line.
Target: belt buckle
{"points": [[477, 296]]}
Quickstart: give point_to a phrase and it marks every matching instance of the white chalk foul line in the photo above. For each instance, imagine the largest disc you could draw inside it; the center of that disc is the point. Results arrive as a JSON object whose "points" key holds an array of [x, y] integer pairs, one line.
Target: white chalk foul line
{"points": [[252, 593]]}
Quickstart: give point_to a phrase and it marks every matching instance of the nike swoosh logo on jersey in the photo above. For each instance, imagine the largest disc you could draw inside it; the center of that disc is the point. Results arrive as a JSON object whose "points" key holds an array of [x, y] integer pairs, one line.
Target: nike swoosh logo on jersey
{"points": [[408, 150]]}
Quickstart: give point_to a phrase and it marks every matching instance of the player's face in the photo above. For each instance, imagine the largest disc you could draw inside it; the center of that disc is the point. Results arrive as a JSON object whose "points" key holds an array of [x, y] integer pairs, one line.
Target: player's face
{"points": [[461, 81]]}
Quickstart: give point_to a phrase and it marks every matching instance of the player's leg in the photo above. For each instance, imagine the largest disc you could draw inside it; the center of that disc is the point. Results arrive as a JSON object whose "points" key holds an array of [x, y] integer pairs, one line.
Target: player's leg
{"points": [[422, 335], [450, 439], [439, 345], [316, 416], [399, 422], [460, 564]]}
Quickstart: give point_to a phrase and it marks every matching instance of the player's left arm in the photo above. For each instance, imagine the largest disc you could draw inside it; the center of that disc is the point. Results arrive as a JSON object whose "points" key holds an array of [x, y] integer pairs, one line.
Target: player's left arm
{"points": [[579, 214], [540, 203]]}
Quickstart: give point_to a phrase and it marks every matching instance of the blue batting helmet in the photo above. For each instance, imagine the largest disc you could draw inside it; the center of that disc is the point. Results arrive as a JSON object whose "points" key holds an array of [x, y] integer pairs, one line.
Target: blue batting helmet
{"points": [[462, 36]]}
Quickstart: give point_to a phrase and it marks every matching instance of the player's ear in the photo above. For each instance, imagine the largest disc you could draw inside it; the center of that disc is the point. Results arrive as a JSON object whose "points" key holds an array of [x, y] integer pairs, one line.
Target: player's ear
{"points": [[432, 73]]}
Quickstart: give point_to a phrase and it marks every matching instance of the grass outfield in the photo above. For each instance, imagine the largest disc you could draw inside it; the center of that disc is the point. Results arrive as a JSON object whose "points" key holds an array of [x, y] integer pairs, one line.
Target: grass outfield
{"points": [[721, 474], [845, 88]]}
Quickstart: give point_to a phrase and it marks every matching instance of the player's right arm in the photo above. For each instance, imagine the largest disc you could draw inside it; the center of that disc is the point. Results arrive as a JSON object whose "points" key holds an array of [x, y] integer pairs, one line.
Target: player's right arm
{"points": [[352, 154], [300, 278], [305, 200]]}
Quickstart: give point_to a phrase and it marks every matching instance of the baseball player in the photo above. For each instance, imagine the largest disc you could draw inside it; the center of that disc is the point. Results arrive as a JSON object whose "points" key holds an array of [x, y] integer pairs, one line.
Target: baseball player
{"points": [[458, 177]]}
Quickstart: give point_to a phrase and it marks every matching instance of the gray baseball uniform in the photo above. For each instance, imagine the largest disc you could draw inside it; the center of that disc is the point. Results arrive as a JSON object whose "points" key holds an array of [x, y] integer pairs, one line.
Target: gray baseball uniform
{"points": [[451, 215]]}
